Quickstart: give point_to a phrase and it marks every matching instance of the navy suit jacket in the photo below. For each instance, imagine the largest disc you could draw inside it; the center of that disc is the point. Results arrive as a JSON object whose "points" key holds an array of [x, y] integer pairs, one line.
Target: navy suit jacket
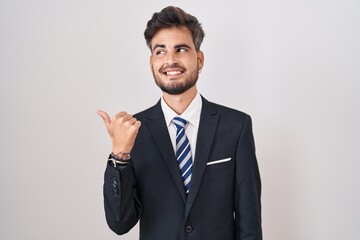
{"points": [[224, 198]]}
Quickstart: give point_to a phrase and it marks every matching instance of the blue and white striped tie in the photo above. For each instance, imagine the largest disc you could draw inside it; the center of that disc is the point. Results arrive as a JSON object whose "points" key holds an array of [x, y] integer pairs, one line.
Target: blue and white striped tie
{"points": [[183, 152]]}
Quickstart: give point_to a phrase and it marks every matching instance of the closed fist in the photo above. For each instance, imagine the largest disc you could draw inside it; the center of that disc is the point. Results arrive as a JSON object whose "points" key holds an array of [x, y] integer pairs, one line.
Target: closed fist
{"points": [[123, 129]]}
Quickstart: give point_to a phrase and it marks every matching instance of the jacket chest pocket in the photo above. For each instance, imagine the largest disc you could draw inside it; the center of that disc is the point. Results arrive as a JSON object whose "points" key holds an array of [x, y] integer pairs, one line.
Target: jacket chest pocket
{"points": [[219, 173]]}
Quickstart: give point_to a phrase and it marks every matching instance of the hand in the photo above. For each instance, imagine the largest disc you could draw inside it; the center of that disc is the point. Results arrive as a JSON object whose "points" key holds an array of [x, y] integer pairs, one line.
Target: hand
{"points": [[123, 129]]}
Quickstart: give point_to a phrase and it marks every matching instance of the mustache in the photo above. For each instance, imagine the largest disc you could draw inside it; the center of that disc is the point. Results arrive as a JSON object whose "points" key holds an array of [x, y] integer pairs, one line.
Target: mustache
{"points": [[173, 65]]}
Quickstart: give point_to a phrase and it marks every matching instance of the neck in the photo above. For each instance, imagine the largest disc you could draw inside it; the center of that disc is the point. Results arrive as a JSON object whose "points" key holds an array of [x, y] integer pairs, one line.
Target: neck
{"points": [[179, 103]]}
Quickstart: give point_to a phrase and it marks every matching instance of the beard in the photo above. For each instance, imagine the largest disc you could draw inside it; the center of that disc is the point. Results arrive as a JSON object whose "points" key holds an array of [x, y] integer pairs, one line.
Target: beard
{"points": [[175, 87]]}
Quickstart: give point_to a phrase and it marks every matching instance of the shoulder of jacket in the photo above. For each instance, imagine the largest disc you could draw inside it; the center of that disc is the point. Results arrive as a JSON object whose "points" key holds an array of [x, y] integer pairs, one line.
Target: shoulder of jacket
{"points": [[227, 111]]}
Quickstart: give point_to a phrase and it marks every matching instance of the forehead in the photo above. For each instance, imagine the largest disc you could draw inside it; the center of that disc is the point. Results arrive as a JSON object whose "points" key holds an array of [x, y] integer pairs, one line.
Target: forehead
{"points": [[172, 36]]}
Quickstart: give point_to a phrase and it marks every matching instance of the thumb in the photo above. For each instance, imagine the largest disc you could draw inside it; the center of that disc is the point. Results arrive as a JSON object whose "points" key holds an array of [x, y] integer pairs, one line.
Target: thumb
{"points": [[104, 116]]}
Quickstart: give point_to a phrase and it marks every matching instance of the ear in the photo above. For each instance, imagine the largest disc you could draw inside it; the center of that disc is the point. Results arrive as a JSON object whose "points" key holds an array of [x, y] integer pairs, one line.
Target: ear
{"points": [[151, 62], [200, 59]]}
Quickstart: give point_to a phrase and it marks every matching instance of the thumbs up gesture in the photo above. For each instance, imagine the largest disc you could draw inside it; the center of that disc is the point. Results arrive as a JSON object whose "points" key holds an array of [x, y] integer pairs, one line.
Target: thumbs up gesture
{"points": [[123, 129]]}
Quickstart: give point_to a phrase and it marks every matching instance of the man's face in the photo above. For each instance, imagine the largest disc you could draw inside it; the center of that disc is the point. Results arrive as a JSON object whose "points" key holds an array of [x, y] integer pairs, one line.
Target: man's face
{"points": [[174, 61]]}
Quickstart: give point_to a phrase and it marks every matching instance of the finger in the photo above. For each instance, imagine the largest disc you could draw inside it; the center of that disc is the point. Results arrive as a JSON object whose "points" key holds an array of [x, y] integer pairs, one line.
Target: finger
{"points": [[137, 125], [132, 121], [104, 116], [127, 117], [120, 114]]}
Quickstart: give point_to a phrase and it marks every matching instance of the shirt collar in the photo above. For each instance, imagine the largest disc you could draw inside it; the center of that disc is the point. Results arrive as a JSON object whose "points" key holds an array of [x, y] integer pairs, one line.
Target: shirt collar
{"points": [[191, 114]]}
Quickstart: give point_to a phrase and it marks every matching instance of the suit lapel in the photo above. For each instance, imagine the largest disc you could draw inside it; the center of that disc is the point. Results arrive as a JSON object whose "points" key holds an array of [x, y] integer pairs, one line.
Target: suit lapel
{"points": [[160, 133], [206, 133]]}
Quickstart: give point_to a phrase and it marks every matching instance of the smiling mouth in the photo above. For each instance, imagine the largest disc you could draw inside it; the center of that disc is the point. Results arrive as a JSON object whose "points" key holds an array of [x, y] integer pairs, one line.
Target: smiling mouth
{"points": [[173, 73]]}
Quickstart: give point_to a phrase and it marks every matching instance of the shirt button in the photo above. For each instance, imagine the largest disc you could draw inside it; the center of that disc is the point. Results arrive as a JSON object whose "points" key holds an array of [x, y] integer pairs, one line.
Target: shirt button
{"points": [[188, 229]]}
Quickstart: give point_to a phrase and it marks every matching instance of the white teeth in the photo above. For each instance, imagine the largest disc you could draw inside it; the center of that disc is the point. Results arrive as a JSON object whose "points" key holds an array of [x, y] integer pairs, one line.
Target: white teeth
{"points": [[173, 73]]}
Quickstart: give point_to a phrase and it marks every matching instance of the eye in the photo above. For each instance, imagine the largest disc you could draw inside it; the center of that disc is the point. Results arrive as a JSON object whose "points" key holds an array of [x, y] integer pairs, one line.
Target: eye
{"points": [[158, 52], [181, 50]]}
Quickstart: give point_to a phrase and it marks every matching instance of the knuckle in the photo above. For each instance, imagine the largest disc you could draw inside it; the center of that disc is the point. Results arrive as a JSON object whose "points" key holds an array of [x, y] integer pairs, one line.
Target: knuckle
{"points": [[121, 114]]}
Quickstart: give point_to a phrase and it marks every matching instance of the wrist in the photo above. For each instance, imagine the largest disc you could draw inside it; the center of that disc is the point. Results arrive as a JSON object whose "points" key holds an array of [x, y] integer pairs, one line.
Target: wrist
{"points": [[122, 154], [118, 149]]}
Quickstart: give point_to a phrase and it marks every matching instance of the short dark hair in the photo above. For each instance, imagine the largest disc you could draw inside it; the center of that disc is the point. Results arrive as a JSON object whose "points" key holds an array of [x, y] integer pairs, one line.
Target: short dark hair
{"points": [[174, 17]]}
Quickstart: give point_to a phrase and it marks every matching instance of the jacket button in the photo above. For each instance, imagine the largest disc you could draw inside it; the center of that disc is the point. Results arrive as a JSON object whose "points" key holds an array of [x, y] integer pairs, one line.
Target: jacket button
{"points": [[188, 229]]}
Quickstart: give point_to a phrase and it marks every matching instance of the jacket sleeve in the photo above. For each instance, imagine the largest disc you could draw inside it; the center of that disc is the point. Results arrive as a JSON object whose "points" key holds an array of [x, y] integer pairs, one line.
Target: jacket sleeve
{"points": [[122, 205], [247, 187]]}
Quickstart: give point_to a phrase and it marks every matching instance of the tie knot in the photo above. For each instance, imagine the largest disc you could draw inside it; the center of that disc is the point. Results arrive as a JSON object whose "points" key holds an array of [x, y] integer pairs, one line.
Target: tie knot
{"points": [[179, 122]]}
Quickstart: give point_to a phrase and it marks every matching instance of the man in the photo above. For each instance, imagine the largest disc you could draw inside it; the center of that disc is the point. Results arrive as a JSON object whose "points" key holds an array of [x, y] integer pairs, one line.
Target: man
{"points": [[186, 168]]}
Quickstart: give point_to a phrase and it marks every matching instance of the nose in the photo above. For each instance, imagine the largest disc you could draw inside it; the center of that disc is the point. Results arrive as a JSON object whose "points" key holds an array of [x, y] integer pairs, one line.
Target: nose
{"points": [[171, 58]]}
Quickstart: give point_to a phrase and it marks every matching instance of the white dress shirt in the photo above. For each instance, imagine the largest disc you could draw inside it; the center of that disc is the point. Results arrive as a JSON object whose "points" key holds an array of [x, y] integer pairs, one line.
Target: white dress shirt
{"points": [[191, 114]]}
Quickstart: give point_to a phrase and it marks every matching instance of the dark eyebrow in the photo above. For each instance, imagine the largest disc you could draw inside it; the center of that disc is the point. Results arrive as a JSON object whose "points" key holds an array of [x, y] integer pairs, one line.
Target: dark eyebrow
{"points": [[182, 46], [158, 46]]}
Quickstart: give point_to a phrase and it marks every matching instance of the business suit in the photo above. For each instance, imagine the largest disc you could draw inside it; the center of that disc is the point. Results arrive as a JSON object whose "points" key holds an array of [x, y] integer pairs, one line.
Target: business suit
{"points": [[150, 187]]}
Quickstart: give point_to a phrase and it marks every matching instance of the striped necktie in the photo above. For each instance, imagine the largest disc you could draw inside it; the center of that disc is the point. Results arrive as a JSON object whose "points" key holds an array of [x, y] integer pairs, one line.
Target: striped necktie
{"points": [[183, 152]]}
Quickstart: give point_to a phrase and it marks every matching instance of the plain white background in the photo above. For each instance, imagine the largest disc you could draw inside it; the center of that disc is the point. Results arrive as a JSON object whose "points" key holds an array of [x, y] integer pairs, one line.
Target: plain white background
{"points": [[294, 66]]}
